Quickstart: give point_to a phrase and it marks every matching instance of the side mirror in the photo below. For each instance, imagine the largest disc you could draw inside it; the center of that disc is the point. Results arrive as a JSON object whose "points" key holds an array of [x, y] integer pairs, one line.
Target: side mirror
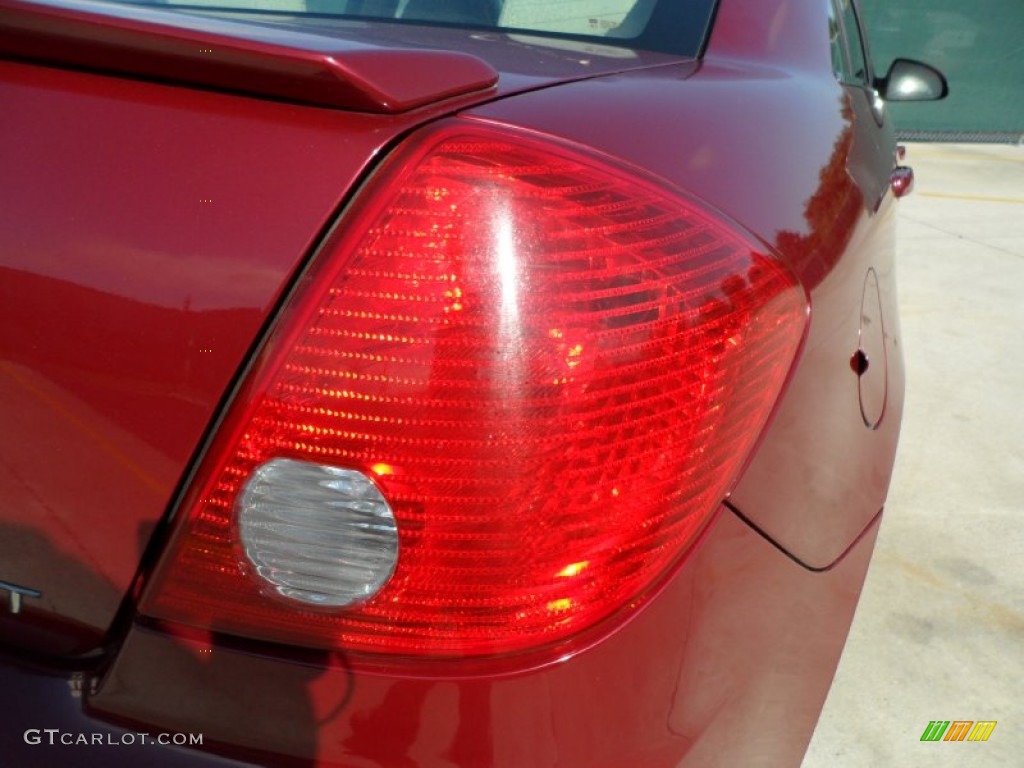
{"points": [[912, 81]]}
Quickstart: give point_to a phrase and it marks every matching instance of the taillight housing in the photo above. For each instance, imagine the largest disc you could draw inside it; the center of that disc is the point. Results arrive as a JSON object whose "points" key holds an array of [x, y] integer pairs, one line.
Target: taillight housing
{"points": [[551, 367]]}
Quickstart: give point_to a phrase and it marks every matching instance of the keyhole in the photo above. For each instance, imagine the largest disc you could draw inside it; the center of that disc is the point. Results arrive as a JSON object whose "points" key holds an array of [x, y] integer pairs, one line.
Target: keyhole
{"points": [[859, 362]]}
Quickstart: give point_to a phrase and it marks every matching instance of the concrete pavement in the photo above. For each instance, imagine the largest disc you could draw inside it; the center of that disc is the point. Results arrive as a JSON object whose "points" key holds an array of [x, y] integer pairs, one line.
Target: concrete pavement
{"points": [[939, 633]]}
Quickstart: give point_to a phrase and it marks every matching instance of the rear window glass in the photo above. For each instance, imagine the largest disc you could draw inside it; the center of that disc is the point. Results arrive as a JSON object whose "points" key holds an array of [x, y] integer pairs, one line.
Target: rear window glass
{"points": [[671, 26]]}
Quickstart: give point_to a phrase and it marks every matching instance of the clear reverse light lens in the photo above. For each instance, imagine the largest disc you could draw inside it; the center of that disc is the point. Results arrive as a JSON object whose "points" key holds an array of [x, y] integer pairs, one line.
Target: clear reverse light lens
{"points": [[317, 534]]}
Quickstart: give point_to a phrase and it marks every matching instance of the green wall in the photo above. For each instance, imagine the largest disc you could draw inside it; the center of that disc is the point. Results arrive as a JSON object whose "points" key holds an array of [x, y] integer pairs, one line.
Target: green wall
{"points": [[978, 45]]}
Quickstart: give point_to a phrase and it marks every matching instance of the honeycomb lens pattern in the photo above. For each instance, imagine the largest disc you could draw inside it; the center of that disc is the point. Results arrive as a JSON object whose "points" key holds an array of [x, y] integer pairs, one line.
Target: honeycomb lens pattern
{"points": [[552, 367]]}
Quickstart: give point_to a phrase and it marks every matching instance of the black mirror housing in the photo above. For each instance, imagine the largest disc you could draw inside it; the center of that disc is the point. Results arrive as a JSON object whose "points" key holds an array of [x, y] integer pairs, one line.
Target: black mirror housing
{"points": [[909, 80]]}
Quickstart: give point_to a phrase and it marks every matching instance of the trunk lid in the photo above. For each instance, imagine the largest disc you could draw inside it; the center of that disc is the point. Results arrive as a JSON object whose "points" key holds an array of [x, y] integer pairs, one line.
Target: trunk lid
{"points": [[147, 233]]}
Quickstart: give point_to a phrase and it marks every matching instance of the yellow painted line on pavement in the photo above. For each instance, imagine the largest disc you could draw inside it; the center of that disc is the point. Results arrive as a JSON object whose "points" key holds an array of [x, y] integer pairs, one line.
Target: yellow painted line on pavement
{"points": [[974, 198]]}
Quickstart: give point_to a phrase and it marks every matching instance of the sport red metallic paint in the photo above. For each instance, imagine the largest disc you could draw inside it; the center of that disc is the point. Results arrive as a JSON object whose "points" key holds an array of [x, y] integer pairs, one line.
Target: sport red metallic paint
{"points": [[178, 189]]}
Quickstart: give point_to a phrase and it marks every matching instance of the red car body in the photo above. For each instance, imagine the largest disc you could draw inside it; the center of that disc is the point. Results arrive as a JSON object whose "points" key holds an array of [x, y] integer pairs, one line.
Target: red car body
{"points": [[160, 215]]}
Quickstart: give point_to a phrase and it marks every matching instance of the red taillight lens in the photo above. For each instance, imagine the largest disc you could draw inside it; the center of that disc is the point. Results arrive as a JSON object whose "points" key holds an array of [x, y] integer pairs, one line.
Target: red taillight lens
{"points": [[551, 366]]}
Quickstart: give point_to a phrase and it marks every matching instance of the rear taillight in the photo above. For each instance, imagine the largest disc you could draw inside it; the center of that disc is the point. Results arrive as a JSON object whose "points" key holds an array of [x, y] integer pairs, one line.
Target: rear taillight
{"points": [[513, 387]]}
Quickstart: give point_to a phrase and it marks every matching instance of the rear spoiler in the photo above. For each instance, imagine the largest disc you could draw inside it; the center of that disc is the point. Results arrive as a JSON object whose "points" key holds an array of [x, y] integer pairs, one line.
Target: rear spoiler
{"points": [[240, 57]]}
